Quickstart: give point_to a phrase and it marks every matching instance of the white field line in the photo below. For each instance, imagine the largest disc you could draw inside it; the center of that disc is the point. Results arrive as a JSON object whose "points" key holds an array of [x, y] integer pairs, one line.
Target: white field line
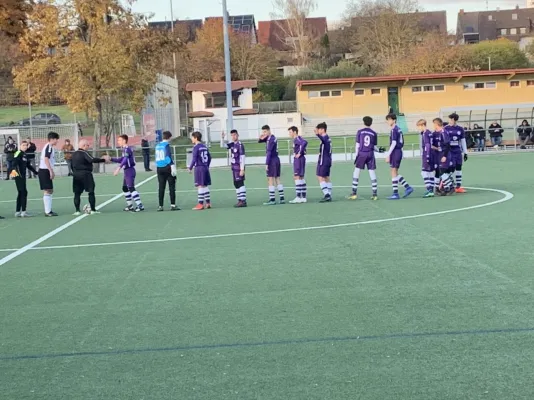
{"points": [[507, 196], [53, 233]]}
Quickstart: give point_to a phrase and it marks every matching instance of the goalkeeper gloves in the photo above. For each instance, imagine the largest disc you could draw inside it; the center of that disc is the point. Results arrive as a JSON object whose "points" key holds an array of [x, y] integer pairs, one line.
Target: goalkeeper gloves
{"points": [[173, 170], [14, 174], [381, 149], [465, 157]]}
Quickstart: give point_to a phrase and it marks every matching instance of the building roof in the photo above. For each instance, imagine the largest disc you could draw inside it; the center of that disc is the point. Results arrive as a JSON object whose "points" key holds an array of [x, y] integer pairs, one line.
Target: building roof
{"points": [[220, 87], [488, 24], [407, 78], [427, 21], [200, 114], [239, 23], [273, 33], [187, 28]]}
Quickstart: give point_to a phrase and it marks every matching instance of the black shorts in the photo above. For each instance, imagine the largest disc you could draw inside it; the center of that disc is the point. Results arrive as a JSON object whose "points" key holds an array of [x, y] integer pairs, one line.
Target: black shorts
{"points": [[83, 181], [44, 180]]}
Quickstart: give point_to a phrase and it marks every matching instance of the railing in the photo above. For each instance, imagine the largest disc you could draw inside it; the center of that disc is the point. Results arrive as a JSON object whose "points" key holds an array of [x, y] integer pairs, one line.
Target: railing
{"points": [[275, 107]]}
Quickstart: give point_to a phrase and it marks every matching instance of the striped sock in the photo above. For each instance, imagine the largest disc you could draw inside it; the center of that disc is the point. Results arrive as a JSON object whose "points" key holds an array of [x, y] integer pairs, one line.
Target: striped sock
{"points": [[207, 195], [298, 188], [395, 185], [324, 188], [304, 188], [355, 180], [272, 193], [281, 192], [200, 195], [403, 182], [329, 187], [238, 194], [137, 198], [243, 193], [458, 179], [128, 198], [374, 181]]}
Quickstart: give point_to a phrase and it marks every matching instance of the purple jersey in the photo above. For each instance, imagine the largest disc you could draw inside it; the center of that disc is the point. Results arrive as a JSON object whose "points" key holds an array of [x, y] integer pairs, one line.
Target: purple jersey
{"points": [[426, 144], [299, 146], [456, 134], [127, 160], [271, 149], [397, 136], [325, 151], [201, 156], [237, 155], [367, 139]]}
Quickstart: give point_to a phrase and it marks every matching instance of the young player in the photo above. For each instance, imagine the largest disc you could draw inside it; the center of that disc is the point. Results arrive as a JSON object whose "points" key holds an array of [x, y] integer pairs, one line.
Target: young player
{"points": [[458, 146], [324, 163], [237, 160], [299, 165], [46, 173], [429, 160], [127, 161], [394, 159], [166, 170], [441, 145], [21, 163], [272, 166], [366, 145], [201, 161]]}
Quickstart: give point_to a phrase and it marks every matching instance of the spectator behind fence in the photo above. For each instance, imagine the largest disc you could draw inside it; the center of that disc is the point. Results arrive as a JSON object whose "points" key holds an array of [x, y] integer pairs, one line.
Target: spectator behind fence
{"points": [[145, 145], [524, 130], [479, 134], [495, 131], [30, 156], [469, 140], [10, 148], [68, 149]]}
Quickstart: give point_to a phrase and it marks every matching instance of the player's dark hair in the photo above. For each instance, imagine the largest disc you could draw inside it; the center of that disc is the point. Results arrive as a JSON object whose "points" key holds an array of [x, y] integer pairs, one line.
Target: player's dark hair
{"points": [[265, 128], [166, 135], [293, 129], [454, 116], [23, 142], [367, 121], [322, 125], [124, 137], [197, 135], [234, 131], [53, 135], [438, 121], [391, 116]]}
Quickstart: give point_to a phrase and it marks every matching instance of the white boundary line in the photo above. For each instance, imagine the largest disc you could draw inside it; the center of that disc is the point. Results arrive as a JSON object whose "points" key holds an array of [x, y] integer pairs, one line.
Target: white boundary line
{"points": [[507, 196], [32, 245]]}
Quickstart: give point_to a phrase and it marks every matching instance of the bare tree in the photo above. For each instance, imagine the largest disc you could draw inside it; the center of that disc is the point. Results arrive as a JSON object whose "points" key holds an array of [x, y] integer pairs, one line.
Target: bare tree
{"points": [[383, 30], [290, 18]]}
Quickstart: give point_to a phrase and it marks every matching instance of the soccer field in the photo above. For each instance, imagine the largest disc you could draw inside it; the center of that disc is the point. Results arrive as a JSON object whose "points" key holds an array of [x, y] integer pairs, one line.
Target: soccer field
{"points": [[414, 299]]}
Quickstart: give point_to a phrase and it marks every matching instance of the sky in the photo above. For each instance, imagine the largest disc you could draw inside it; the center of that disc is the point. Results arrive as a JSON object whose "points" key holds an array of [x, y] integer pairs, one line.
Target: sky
{"points": [[331, 9]]}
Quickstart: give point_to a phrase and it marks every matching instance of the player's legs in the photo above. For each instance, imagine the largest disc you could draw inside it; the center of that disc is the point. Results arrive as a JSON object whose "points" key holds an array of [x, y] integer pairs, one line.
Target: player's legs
{"points": [[47, 186], [21, 197], [328, 184], [459, 176], [374, 183], [241, 193], [355, 183], [162, 186], [272, 190], [200, 198], [89, 187], [172, 190], [394, 183], [127, 197]]}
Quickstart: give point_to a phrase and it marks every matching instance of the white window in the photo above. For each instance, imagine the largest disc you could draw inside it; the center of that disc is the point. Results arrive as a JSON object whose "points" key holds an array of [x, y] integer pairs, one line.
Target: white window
{"points": [[375, 91], [504, 32], [490, 17], [469, 86], [513, 31], [523, 30], [428, 88], [416, 89], [515, 84], [335, 93], [491, 85], [324, 93], [514, 17], [439, 88], [359, 92], [313, 94], [480, 85]]}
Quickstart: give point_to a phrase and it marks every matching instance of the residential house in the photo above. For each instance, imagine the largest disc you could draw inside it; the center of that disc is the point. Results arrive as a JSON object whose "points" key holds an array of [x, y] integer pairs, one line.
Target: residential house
{"points": [[186, 29], [514, 24], [244, 24], [431, 21]]}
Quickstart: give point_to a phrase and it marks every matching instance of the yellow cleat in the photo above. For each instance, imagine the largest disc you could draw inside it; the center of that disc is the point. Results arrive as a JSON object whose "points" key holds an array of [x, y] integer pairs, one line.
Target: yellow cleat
{"points": [[374, 198], [353, 197]]}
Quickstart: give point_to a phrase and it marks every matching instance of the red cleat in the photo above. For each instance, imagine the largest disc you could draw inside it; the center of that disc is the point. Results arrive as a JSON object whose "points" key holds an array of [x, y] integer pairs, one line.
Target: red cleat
{"points": [[198, 207], [460, 190]]}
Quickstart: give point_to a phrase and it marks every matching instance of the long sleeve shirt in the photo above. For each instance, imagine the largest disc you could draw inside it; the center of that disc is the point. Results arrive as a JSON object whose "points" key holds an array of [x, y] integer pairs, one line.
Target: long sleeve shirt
{"points": [[83, 161], [271, 148], [21, 164], [201, 157], [127, 160]]}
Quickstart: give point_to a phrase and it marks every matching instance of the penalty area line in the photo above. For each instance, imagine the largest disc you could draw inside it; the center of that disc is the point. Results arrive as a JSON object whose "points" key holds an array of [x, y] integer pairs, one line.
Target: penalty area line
{"points": [[37, 242]]}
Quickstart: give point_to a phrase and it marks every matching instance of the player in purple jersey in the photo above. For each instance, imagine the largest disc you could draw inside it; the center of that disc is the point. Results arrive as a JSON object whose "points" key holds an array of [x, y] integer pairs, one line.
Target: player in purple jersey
{"points": [[430, 161], [394, 158], [366, 145], [272, 166], [458, 149], [299, 165], [127, 162], [237, 161], [440, 136], [324, 163], [201, 161]]}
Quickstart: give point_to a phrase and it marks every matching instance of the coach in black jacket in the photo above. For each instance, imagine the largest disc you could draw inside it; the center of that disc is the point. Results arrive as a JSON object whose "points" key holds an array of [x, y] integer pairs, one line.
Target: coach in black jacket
{"points": [[82, 175], [524, 131]]}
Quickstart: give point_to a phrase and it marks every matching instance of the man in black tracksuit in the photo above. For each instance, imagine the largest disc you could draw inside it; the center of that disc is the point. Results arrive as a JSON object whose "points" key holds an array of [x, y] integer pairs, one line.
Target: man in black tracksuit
{"points": [[30, 155], [82, 172], [20, 165]]}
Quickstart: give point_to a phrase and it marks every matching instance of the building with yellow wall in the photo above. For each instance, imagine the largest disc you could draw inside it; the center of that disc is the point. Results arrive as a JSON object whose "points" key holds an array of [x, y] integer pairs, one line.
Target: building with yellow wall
{"points": [[413, 94]]}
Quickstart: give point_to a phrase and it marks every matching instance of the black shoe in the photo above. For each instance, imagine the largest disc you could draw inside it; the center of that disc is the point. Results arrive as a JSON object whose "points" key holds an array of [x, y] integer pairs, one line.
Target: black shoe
{"points": [[148, 170], [139, 208], [51, 214], [160, 209], [1, 217], [129, 209], [174, 208], [326, 199]]}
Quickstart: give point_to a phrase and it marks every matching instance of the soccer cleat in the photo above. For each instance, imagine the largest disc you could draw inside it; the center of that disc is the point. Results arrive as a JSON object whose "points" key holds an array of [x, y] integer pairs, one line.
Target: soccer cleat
{"points": [[296, 200], [139, 208], [160, 209], [174, 208], [24, 214], [51, 214], [241, 204], [353, 196], [198, 207], [428, 194], [77, 214], [374, 197], [303, 200], [271, 202], [460, 190], [282, 201], [18, 214], [326, 199], [394, 196], [408, 192], [93, 212], [1, 217], [129, 208], [207, 206]]}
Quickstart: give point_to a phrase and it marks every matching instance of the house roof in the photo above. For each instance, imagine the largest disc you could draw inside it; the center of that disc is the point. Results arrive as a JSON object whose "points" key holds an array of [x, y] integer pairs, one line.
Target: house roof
{"points": [[220, 87], [187, 27], [273, 33], [488, 29], [407, 78], [200, 114], [427, 21], [246, 111]]}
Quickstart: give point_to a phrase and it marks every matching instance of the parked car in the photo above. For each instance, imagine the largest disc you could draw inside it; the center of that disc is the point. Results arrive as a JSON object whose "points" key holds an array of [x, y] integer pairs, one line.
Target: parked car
{"points": [[42, 119]]}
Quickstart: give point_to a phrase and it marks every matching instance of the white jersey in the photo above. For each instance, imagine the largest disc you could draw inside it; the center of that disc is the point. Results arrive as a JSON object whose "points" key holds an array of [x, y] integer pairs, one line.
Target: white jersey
{"points": [[47, 152]]}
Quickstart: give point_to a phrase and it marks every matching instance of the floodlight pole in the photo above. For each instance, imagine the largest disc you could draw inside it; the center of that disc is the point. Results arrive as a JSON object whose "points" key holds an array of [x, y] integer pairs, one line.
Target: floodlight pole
{"points": [[176, 108], [227, 71]]}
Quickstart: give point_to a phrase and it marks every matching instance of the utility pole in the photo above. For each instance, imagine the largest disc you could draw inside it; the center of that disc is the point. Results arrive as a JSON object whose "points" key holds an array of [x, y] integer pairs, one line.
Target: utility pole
{"points": [[175, 99], [228, 71]]}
